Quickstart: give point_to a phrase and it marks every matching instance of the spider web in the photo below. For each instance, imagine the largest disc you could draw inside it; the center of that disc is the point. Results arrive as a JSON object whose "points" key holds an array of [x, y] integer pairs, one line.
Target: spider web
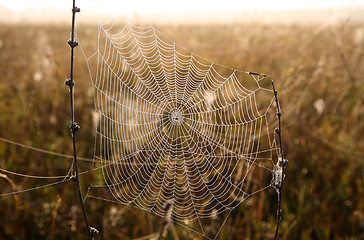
{"points": [[177, 128]]}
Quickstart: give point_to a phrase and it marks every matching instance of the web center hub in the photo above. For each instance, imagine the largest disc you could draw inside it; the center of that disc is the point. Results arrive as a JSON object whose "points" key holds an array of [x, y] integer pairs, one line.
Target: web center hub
{"points": [[176, 117]]}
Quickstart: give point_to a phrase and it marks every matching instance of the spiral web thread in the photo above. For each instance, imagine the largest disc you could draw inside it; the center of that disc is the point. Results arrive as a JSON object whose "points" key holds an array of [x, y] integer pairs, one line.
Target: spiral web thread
{"points": [[177, 128]]}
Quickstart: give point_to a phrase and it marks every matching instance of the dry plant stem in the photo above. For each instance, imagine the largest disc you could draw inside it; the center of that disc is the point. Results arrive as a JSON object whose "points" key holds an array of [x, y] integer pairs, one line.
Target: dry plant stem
{"points": [[74, 127], [279, 188], [13, 186], [161, 232], [19, 206], [174, 231], [54, 216], [343, 57]]}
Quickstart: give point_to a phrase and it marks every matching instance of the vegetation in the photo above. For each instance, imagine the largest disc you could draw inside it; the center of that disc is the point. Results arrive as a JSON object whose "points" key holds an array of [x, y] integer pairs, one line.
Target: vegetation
{"points": [[319, 74]]}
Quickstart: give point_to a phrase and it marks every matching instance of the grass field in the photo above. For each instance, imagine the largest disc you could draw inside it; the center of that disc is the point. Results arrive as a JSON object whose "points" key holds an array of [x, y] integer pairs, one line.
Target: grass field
{"points": [[319, 75]]}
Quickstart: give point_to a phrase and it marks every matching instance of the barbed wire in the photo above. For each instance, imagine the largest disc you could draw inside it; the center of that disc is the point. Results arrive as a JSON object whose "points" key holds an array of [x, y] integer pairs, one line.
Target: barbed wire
{"points": [[72, 42], [279, 173]]}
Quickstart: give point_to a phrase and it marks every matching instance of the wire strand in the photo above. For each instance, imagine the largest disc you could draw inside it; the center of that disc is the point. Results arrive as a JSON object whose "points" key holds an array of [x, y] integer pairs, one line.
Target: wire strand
{"points": [[30, 176], [44, 150], [34, 188]]}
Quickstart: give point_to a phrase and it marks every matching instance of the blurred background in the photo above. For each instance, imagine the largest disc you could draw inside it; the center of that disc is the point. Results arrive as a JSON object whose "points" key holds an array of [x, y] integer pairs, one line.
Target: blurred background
{"points": [[314, 50]]}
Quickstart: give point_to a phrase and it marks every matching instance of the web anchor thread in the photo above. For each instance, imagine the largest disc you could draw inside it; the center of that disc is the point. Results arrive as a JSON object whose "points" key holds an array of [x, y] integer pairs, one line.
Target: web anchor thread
{"points": [[279, 170], [74, 126]]}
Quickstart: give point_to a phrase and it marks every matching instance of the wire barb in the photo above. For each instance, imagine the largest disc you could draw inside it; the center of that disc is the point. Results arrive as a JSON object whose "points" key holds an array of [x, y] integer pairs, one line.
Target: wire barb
{"points": [[72, 43], [257, 74], [69, 82], [93, 231], [74, 127], [76, 10]]}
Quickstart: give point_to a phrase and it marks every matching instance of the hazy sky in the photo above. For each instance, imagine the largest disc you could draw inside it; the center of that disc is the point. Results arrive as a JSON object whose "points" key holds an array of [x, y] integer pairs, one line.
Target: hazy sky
{"points": [[177, 6]]}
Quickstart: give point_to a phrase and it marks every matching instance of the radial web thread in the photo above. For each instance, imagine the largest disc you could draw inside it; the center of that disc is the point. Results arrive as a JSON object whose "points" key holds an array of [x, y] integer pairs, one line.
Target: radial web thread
{"points": [[175, 127]]}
